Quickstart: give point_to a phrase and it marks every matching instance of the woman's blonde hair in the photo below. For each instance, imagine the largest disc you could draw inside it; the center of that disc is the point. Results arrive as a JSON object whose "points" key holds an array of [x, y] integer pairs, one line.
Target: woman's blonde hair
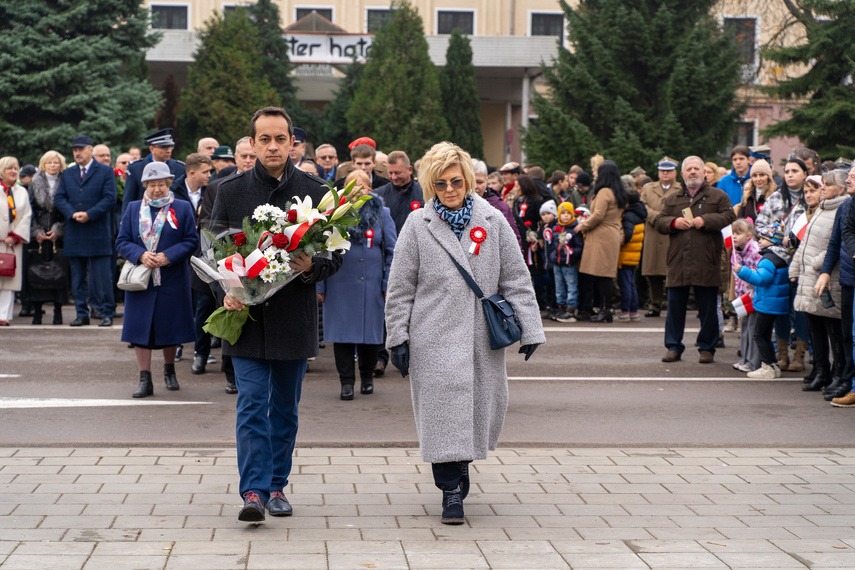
{"points": [[440, 158], [358, 173], [714, 167], [50, 155], [8, 161]]}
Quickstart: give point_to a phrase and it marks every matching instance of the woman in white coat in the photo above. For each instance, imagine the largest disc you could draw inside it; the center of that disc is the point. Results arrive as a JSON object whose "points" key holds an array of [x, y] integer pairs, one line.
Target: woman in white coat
{"points": [[436, 327], [15, 217]]}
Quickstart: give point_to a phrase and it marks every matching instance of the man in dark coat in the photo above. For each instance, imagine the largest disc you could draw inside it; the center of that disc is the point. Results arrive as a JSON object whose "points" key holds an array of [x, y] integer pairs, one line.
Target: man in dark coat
{"points": [[86, 196], [693, 219], [402, 190], [160, 145], [282, 333]]}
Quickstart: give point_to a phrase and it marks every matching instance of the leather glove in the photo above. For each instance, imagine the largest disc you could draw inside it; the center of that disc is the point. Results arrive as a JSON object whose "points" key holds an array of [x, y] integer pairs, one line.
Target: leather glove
{"points": [[528, 350], [401, 358]]}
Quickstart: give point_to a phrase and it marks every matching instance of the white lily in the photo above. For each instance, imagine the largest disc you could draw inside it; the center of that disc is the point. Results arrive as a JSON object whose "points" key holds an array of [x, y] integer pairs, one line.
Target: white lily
{"points": [[336, 241], [305, 212], [341, 210], [326, 202]]}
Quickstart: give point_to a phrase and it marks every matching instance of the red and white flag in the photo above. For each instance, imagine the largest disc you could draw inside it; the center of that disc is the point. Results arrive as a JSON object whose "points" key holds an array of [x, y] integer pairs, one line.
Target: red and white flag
{"points": [[727, 234], [743, 305], [800, 226]]}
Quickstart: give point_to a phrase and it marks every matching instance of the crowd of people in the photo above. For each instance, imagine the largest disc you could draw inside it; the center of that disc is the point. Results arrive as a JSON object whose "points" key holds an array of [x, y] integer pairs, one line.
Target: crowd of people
{"points": [[768, 257]]}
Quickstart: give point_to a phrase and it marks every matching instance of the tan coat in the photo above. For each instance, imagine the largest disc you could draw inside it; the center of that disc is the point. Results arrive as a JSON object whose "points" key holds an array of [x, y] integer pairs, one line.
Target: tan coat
{"points": [[21, 228], [654, 257], [602, 236]]}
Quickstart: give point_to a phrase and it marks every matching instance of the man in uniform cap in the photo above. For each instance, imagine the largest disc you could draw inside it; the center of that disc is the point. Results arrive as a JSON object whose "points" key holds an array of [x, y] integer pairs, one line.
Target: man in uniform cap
{"points": [[654, 254], [637, 171], [160, 145], [223, 157], [86, 196], [761, 152]]}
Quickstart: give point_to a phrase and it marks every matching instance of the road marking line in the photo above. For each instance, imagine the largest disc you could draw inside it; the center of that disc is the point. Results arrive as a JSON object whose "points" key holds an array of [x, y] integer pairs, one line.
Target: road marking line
{"points": [[646, 379], [64, 329], [21, 403], [615, 329], [10, 375]]}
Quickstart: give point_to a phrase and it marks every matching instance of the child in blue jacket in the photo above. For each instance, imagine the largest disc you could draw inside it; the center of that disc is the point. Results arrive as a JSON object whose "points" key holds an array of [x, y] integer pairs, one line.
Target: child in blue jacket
{"points": [[771, 295], [564, 250]]}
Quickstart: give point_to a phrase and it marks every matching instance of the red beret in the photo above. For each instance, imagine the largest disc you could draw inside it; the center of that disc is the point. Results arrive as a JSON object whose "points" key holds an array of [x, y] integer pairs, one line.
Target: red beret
{"points": [[362, 140]]}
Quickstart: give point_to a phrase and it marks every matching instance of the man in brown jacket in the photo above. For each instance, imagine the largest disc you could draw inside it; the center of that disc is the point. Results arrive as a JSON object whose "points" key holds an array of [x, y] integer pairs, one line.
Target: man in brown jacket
{"points": [[654, 253], [693, 219]]}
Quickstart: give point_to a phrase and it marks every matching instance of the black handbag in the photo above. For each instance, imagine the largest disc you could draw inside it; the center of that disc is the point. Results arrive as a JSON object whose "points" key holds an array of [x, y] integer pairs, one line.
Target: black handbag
{"points": [[47, 271], [502, 322]]}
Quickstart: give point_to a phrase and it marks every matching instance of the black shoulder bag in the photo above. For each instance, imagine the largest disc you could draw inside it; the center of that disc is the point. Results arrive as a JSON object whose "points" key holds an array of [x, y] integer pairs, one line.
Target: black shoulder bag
{"points": [[501, 320]]}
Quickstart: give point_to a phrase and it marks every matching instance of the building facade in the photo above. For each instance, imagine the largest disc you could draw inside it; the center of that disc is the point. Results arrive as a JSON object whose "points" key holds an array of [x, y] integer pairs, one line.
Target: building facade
{"points": [[510, 39]]}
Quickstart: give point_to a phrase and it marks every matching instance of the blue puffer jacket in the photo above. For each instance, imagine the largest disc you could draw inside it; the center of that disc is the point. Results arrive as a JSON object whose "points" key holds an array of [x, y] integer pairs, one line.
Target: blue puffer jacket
{"points": [[771, 283], [837, 249]]}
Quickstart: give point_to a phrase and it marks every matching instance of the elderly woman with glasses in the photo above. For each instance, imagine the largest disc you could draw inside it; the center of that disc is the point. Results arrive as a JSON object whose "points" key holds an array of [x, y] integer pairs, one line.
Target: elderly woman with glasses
{"points": [[15, 216], [160, 233], [436, 327]]}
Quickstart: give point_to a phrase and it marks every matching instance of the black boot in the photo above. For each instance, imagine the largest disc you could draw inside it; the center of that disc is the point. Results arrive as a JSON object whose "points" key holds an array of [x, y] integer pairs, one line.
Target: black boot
{"points": [[842, 389], [37, 314], [231, 385], [169, 377], [821, 380], [452, 506], [57, 314], [809, 378], [347, 391], [146, 388], [836, 381], [367, 385], [604, 316]]}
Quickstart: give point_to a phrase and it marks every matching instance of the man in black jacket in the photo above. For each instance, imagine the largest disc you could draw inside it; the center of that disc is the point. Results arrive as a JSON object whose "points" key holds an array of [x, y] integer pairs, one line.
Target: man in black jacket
{"points": [[282, 333]]}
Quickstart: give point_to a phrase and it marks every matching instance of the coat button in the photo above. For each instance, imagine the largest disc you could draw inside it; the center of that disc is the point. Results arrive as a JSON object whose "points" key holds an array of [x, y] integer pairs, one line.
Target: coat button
{"points": [[361, 260], [362, 278], [267, 304]]}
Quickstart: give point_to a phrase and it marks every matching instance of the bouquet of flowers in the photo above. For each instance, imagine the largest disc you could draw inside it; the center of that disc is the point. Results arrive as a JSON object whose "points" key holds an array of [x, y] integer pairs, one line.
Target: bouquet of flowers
{"points": [[252, 264]]}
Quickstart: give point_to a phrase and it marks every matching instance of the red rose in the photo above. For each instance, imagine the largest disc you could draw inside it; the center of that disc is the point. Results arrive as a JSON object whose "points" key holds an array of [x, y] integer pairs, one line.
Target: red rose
{"points": [[528, 223], [240, 239], [291, 215], [280, 241]]}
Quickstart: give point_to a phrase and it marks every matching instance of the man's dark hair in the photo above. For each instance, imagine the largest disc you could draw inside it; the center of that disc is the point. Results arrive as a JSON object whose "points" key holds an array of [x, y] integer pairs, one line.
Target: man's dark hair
{"points": [[363, 151], [557, 176], [536, 172], [804, 154], [608, 176], [740, 149], [196, 160], [270, 112]]}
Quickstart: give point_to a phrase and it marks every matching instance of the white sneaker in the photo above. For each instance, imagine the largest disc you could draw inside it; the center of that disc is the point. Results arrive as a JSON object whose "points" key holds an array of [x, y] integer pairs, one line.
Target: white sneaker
{"points": [[741, 367], [776, 369], [765, 372]]}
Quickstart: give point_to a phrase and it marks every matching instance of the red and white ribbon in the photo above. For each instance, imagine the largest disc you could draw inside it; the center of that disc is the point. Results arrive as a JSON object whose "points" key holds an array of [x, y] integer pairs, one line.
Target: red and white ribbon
{"points": [[295, 233], [477, 235], [173, 221], [414, 205], [530, 256], [369, 235], [250, 267], [523, 208], [547, 235]]}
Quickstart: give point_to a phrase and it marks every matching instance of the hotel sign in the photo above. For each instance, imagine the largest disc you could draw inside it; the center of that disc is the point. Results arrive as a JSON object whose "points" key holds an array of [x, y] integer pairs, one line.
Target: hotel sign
{"points": [[328, 48]]}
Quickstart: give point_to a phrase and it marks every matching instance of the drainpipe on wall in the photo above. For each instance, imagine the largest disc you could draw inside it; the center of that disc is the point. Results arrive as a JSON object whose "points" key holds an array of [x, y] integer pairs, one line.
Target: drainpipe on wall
{"points": [[513, 11]]}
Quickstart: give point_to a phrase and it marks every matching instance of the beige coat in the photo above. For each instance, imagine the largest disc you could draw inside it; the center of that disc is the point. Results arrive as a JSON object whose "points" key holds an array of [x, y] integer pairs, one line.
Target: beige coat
{"points": [[807, 262], [654, 257], [602, 236], [21, 228]]}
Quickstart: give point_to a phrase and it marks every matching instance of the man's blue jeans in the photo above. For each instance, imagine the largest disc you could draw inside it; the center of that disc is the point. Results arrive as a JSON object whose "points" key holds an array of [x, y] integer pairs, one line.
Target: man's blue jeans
{"points": [[266, 427], [99, 275]]}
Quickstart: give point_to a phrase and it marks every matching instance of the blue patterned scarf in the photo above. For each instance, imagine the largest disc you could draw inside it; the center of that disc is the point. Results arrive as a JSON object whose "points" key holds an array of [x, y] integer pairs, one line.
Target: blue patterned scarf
{"points": [[457, 219]]}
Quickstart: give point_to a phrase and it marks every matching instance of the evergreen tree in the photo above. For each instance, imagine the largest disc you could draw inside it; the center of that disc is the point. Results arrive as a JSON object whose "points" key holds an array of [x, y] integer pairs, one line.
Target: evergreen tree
{"points": [[826, 122], [332, 127], [643, 79], [398, 102], [276, 64], [167, 116], [64, 70], [226, 81], [460, 96]]}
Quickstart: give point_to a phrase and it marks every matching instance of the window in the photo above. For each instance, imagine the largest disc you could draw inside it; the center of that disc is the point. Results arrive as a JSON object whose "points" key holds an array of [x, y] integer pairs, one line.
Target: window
{"points": [[744, 32], [547, 25], [376, 18], [744, 134], [169, 17], [447, 20], [325, 12]]}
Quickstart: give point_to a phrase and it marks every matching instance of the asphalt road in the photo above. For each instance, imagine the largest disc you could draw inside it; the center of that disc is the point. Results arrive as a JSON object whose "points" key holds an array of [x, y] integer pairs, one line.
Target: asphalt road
{"points": [[590, 385]]}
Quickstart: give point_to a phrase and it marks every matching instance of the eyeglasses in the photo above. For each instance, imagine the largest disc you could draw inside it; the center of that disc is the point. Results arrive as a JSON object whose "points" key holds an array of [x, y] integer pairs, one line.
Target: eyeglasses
{"points": [[157, 185], [442, 185], [330, 157]]}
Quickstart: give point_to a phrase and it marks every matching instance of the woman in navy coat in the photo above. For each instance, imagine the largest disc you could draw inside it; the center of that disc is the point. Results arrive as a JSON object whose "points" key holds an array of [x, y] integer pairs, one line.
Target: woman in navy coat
{"points": [[354, 298], [158, 232]]}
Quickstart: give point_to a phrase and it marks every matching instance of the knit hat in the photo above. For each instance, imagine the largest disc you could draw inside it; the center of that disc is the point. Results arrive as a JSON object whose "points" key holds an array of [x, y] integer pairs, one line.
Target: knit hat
{"points": [[816, 179], [549, 206], [565, 207], [762, 167], [772, 233], [583, 179]]}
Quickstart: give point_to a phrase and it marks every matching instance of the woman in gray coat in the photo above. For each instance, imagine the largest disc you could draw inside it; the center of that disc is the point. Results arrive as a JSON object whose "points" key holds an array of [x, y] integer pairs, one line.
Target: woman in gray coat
{"points": [[436, 327]]}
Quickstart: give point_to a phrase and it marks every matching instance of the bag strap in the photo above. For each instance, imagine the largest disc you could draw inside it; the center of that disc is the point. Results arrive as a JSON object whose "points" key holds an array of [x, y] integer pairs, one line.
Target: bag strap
{"points": [[467, 277]]}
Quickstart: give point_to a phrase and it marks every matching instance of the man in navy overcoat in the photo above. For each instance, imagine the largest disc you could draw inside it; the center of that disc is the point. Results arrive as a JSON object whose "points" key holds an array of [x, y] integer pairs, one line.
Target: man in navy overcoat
{"points": [[86, 196]]}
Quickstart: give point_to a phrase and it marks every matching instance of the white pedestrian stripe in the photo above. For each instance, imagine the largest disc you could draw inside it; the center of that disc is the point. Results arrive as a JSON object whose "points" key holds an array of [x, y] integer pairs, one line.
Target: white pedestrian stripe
{"points": [[613, 329], [21, 403], [646, 379], [10, 375]]}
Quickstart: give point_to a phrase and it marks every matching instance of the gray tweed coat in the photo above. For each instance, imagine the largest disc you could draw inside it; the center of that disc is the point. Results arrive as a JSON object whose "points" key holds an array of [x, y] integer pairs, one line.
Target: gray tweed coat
{"points": [[459, 385]]}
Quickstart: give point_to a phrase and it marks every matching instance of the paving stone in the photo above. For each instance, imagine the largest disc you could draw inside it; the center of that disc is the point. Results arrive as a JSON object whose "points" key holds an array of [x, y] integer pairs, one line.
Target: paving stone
{"points": [[55, 562], [759, 560], [54, 548], [681, 560], [664, 546], [525, 560], [279, 562], [627, 560], [125, 563], [212, 561], [100, 535]]}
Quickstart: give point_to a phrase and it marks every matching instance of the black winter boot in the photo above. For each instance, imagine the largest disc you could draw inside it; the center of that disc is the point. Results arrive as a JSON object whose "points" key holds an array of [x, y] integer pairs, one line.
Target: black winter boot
{"points": [[146, 388], [452, 507], [821, 380], [169, 377]]}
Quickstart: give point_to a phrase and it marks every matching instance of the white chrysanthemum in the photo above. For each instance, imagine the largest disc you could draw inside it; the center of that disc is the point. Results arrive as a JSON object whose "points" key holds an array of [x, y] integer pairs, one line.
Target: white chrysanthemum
{"points": [[267, 275], [261, 212], [276, 228]]}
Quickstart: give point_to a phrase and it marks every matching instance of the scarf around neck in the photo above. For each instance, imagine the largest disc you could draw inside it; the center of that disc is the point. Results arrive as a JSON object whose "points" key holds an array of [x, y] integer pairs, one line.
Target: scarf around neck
{"points": [[10, 202], [150, 230], [458, 219]]}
